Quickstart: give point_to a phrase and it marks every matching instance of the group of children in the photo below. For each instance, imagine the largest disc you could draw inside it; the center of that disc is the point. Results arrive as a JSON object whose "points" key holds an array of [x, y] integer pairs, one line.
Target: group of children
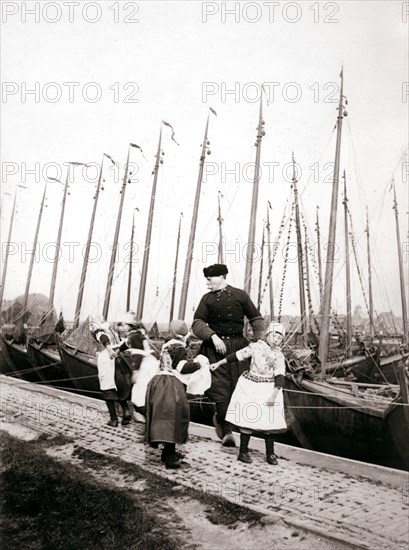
{"points": [[159, 385]]}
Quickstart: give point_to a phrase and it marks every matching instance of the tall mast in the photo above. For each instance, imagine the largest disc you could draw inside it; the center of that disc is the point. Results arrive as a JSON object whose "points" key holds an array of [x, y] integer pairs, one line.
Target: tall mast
{"points": [[59, 234], [58, 243], [371, 325], [401, 275], [319, 254], [301, 288], [189, 255], [3, 276], [260, 279], [142, 284], [115, 243], [270, 278], [329, 268], [347, 275], [220, 256], [172, 301], [128, 293], [253, 211], [33, 253], [87, 249]]}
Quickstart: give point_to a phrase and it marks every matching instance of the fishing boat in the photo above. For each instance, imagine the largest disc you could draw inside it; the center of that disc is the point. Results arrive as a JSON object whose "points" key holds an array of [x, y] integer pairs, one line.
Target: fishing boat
{"points": [[382, 370], [40, 327], [336, 416], [345, 420]]}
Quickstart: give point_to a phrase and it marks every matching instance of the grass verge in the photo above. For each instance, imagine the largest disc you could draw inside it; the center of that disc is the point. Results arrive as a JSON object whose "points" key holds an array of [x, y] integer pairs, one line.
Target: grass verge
{"points": [[52, 505], [49, 504]]}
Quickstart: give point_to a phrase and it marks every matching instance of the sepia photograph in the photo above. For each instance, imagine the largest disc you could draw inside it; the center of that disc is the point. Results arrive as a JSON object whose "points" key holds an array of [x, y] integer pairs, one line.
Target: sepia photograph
{"points": [[204, 336]]}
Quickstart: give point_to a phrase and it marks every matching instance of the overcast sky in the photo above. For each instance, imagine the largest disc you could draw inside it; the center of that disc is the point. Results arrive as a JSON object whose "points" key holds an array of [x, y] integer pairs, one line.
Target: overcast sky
{"points": [[85, 78]]}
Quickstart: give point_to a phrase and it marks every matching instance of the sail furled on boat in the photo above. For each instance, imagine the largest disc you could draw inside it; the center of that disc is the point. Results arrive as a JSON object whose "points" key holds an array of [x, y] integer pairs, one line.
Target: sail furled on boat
{"points": [[82, 339]]}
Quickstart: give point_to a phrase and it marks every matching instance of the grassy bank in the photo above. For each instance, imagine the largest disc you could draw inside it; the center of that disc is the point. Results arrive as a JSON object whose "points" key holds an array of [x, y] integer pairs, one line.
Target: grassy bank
{"points": [[47, 504], [50, 504]]}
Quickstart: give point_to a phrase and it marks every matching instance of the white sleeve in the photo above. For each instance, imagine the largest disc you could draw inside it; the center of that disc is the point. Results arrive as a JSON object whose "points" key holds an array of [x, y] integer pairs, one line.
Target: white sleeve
{"points": [[279, 364], [244, 353]]}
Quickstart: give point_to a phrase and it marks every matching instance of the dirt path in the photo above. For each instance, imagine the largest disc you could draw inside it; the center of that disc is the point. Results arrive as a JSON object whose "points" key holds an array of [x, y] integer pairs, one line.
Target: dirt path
{"points": [[195, 523]]}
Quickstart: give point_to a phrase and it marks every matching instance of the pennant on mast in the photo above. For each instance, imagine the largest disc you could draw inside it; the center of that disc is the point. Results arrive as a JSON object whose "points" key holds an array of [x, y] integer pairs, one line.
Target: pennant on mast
{"points": [[110, 158], [137, 147], [173, 131]]}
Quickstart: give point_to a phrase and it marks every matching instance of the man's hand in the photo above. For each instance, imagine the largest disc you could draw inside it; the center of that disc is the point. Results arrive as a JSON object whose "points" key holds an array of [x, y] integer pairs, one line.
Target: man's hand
{"points": [[219, 344]]}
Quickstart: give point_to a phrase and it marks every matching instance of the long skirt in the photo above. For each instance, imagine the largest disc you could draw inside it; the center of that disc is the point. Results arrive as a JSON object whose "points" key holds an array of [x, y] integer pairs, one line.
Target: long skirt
{"points": [[248, 409], [167, 410]]}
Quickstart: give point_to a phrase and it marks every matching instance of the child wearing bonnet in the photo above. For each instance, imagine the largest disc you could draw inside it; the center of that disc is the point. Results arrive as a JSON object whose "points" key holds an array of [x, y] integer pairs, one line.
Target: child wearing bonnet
{"points": [[167, 406], [257, 403]]}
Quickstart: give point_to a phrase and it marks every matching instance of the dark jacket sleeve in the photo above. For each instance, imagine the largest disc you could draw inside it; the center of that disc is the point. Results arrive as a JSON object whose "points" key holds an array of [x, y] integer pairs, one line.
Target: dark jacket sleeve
{"points": [[124, 346], [201, 330], [178, 354], [279, 381], [258, 327], [189, 367], [254, 316], [101, 337], [199, 327]]}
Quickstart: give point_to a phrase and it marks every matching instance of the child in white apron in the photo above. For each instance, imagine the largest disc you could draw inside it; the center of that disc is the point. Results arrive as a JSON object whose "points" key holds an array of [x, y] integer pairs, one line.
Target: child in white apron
{"points": [[108, 337], [257, 403]]}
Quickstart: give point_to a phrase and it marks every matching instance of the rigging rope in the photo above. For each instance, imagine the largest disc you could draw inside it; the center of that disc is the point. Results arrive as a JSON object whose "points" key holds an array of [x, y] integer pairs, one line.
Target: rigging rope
{"points": [[307, 280], [357, 263], [280, 305], [275, 248]]}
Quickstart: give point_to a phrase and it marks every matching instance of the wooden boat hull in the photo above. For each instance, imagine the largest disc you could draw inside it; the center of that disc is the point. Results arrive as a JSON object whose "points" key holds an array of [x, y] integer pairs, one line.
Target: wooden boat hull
{"points": [[48, 365], [386, 372], [397, 416], [372, 369], [397, 423], [6, 365], [17, 356], [346, 366], [336, 422]]}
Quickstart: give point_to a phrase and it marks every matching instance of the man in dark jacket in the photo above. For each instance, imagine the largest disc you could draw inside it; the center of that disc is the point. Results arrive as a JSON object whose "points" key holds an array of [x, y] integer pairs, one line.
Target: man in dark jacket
{"points": [[219, 322]]}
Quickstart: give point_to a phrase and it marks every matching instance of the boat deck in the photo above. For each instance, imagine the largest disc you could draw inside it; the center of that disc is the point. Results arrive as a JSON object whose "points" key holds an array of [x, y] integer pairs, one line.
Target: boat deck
{"points": [[361, 504]]}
